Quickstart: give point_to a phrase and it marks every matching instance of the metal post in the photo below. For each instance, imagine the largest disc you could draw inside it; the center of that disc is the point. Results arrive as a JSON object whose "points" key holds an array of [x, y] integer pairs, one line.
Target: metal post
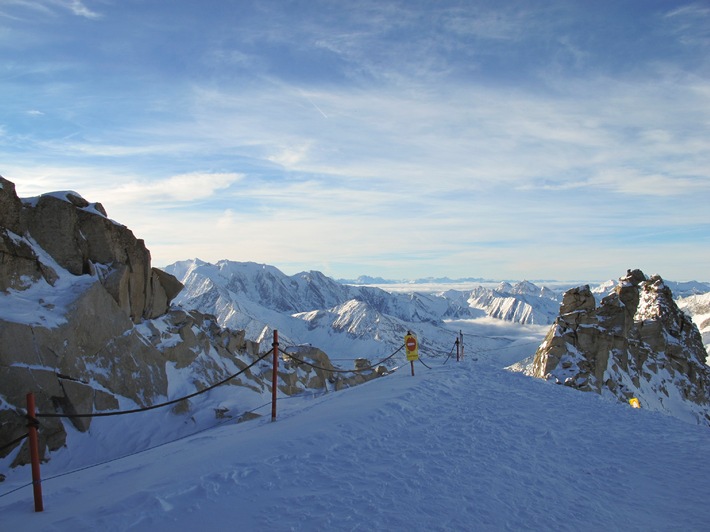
{"points": [[412, 363], [457, 350], [274, 376], [461, 335], [34, 452]]}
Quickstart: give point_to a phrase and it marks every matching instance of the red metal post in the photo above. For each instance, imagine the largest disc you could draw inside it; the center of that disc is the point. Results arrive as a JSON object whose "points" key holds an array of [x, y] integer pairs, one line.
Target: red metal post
{"points": [[274, 376], [34, 452]]}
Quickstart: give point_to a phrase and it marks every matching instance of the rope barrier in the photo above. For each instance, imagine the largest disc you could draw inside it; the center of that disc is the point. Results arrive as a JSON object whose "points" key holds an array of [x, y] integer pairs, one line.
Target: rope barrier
{"points": [[160, 405], [337, 370], [33, 422], [507, 346], [450, 353], [16, 489], [424, 363]]}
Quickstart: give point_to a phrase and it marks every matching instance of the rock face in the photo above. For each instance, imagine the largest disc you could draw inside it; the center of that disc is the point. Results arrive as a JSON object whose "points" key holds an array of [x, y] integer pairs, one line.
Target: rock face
{"points": [[80, 238], [636, 343]]}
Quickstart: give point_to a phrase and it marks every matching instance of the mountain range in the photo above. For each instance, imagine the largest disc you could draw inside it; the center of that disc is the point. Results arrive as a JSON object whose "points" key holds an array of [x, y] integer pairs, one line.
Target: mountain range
{"points": [[504, 323]]}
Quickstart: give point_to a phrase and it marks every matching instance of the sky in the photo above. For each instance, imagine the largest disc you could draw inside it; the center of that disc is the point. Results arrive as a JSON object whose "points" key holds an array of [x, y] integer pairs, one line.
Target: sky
{"points": [[403, 139]]}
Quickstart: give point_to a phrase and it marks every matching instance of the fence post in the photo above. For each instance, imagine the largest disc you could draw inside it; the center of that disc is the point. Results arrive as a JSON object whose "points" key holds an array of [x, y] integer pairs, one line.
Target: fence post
{"points": [[274, 375], [34, 452], [458, 358], [461, 336]]}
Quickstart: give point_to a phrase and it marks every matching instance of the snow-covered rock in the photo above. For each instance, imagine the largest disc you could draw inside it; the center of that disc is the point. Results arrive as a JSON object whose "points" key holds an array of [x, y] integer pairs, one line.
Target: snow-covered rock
{"points": [[636, 343]]}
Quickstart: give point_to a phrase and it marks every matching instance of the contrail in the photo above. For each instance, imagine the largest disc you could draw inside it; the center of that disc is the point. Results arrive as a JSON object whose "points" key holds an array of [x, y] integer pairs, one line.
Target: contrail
{"points": [[317, 108]]}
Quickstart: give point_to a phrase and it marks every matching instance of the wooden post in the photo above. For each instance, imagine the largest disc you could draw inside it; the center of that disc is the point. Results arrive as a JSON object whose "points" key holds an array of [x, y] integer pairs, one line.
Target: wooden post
{"points": [[274, 375], [34, 452]]}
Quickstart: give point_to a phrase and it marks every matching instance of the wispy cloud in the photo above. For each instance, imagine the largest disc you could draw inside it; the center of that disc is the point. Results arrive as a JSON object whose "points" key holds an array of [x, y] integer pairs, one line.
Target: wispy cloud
{"points": [[691, 24], [49, 7]]}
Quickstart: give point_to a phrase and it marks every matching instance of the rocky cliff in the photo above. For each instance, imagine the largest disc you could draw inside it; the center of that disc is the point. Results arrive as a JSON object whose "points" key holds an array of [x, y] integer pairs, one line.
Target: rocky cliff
{"points": [[636, 343], [87, 325]]}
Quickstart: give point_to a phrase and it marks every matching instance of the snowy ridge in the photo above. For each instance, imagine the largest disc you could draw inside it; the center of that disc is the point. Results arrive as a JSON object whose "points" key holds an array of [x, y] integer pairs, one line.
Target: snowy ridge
{"points": [[522, 303]]}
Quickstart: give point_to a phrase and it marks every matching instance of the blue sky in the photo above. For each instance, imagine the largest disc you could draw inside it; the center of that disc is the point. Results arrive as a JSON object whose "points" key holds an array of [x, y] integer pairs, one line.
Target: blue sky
{"points": [[506, 140]]}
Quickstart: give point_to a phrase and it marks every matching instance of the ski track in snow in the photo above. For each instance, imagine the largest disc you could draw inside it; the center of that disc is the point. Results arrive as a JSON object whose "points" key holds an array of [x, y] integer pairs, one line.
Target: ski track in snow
{"points": [[459, 447]]}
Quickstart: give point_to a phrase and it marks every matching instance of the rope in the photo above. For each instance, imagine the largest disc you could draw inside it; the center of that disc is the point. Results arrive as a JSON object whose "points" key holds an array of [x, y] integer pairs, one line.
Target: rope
{"points": [[160, 405], [337, 370], [450, 353], [505, 347], [16, 489], [136, 452], [424, 363], [14, 442]]}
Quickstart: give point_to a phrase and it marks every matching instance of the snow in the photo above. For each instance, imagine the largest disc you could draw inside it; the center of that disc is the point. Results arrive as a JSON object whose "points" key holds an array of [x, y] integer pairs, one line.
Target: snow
{"points": [[463, 446], [40, 303]]}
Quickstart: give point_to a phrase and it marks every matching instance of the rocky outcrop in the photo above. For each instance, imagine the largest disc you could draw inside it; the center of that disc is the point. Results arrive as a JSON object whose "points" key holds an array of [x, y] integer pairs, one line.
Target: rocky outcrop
{"points": [[636, 343], [80, 238]]}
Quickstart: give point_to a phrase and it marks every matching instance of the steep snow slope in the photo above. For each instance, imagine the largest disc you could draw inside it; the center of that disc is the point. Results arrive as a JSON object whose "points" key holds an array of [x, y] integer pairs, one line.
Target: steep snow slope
{"points": [[459, 447]]}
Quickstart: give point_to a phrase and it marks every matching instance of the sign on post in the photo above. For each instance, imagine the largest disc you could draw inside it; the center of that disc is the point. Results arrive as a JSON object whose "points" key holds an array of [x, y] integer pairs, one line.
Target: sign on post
{"points": [[411, 347]]}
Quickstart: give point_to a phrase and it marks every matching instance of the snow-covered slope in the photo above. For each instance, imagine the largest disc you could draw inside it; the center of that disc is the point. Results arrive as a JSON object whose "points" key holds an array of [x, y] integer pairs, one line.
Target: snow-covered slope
{"points": [[523, 302], [459, 447], [698, 307]]}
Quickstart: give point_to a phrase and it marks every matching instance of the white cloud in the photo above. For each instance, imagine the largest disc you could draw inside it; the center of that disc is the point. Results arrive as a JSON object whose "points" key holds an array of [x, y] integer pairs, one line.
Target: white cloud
{"points": [[194, 186], [290, 156], [78, 8]]}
